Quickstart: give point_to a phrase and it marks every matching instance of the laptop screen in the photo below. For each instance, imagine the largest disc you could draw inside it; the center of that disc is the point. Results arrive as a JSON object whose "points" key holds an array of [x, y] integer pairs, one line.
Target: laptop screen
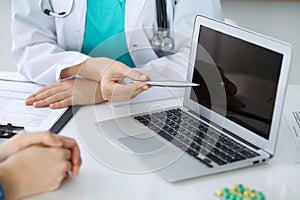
{"points": [[245, 73]]}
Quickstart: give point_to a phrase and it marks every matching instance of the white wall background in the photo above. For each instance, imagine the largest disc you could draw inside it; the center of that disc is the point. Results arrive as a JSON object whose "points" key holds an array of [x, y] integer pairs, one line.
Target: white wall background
{"points": [[6, 62], [276, 19]]}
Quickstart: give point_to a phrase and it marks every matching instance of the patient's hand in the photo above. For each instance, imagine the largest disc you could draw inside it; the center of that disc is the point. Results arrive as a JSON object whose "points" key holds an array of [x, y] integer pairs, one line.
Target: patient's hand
{"points": [[67, 93]]}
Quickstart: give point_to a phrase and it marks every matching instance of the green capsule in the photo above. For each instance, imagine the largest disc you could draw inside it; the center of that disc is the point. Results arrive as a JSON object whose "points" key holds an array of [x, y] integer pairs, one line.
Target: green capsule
{"points": [[260, 196], [232, 197], [226, 194], [241, 190], [226, 190]]}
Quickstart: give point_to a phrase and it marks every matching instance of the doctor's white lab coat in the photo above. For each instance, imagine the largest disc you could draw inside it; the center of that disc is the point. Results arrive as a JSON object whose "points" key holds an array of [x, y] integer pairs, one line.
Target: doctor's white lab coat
{"points": [[43, 46]]}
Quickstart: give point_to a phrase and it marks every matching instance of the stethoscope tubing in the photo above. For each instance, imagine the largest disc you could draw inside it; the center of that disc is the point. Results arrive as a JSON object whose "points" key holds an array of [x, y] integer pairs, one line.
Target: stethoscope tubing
{"points": [[161, 14], [52, 13]]}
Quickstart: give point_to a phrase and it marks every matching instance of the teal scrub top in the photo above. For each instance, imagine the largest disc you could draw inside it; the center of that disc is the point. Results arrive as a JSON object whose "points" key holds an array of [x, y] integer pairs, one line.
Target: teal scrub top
{"points": [[104, 31]]}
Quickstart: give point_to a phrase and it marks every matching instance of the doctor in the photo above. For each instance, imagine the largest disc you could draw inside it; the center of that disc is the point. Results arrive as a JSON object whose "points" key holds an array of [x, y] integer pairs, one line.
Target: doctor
{"points": [[52, 48]]}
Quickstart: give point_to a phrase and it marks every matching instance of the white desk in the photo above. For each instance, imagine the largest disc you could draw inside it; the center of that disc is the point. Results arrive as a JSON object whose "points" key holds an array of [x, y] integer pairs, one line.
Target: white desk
{"points": [[279, 179]]}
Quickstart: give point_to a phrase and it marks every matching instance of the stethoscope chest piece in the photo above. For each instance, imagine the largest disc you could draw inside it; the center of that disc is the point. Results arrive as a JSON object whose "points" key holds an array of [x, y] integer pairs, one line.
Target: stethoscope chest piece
{"points": [[161, 41]]}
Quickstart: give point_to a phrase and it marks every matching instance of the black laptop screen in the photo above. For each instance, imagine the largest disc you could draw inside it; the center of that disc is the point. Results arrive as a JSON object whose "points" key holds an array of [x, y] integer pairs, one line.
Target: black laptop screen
{"points": [[243, 74]]}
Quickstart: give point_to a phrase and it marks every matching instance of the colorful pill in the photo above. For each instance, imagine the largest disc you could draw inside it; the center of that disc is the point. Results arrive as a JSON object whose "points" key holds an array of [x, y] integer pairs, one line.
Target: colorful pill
{"points": [[220, 193]]}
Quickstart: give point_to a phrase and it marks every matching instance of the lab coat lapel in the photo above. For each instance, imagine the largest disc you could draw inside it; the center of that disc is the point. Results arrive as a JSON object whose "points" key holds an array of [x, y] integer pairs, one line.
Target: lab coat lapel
{"points": [[139, 20], [70, 30], [133, 12]]}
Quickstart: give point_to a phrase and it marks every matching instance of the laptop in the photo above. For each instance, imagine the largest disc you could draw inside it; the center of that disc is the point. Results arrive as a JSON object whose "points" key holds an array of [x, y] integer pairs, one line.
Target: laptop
{"points": [[230, 121]]}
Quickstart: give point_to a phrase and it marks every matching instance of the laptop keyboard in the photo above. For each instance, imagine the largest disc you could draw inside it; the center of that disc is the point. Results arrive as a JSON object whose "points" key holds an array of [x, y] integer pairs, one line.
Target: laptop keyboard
{"points": [[196, 138]]}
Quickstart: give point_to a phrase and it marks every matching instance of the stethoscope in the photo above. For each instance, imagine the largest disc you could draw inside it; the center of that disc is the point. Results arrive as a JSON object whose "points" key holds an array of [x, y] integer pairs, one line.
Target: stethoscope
{"points": [[54, 14], [161, 40]]}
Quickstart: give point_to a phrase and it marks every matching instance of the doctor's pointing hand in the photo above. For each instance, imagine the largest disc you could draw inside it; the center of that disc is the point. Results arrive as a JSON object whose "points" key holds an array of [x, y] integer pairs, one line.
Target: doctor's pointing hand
{"points": [[99, 82]]}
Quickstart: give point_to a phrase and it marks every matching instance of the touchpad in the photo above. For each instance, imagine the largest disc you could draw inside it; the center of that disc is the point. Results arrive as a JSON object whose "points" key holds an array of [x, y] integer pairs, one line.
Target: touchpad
{"points": [[143, 143]]}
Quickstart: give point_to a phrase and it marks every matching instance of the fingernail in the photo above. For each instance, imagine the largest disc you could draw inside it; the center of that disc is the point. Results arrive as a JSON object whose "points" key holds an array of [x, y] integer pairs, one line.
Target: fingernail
{"points": [[36, 104], [28, 102], [144, 76], [145, 87], [28, 99]]}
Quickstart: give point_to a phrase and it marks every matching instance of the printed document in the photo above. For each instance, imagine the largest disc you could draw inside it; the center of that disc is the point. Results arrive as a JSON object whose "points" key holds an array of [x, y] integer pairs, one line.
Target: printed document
{"points": [[293, 121], [13, 109]]}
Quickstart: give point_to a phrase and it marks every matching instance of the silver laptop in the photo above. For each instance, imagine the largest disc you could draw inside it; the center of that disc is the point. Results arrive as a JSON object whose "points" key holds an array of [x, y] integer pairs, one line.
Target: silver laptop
{"points": [[230, 121]]}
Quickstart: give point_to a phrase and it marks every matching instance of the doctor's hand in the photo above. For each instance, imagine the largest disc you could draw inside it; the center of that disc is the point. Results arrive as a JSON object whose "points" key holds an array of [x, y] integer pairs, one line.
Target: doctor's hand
{"points": [[110, 74], [66, 93], [113, 90]]}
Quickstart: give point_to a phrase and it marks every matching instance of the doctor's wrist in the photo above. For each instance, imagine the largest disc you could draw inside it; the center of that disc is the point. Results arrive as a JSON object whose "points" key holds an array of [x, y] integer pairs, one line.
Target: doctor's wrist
{"points": [[93, 68], [70, 71]]}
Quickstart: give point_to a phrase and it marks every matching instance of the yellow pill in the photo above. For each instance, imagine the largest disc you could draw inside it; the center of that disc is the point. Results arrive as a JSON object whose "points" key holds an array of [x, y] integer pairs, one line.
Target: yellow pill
{"points": [[253, 194], [220, 192], [233, 192], [235, 187], [239, 195], [247, 193]]}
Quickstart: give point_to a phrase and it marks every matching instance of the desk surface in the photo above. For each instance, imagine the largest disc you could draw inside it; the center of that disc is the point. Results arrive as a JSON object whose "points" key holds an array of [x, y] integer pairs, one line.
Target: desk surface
{"points": [[278, 179]]}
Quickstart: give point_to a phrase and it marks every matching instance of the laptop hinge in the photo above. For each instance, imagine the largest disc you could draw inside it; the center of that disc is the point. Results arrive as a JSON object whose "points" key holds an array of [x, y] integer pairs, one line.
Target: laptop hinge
{"points": [[224, 130]]}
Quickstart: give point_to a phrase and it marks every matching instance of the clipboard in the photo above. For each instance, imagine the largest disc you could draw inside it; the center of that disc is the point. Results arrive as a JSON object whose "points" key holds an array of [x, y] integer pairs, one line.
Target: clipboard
{"points": [[14, 111], [63, 120]]}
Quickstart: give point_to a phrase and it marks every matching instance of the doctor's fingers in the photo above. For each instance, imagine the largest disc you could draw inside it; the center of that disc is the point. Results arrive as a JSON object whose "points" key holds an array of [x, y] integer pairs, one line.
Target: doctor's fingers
{"points": [[119, 69], [65, 99], [44, 89], [119, 92], [133, 74], [49, 91], [63, 103]]}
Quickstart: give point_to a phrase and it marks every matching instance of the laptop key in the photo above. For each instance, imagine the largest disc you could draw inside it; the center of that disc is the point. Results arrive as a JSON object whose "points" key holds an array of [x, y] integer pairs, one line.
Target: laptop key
{"points": [[227, 158], [192, 152], [154, 128], [205, 161], [215, 159], [248, 154], [165, 135], [237, 157], [168, 129], [175, 126], [178, 144]]}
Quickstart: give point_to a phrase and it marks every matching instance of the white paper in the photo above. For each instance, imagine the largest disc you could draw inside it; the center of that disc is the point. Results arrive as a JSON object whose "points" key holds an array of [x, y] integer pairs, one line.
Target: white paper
{"points": [[13, 109], [293, 121]]}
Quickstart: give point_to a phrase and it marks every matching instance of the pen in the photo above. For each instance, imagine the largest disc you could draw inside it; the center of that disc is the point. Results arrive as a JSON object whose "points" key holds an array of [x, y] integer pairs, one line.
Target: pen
{"points": [[168, 83]]}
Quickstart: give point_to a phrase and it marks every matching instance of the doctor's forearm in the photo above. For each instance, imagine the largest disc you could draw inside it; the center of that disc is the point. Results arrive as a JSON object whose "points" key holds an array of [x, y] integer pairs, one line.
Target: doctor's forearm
{"points": [[91, 69]]}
